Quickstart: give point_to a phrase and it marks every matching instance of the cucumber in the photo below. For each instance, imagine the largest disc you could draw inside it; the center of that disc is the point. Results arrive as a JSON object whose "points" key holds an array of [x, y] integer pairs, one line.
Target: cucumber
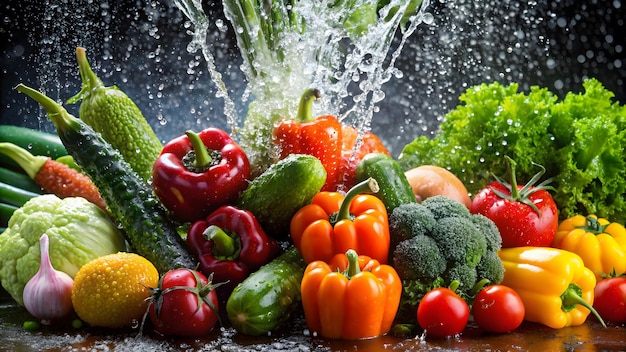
{"points": [[15, 196], [130, 199], [6, 211], [36, 142], [286, 186], [19, 179], [268, 297], [395, 189]]}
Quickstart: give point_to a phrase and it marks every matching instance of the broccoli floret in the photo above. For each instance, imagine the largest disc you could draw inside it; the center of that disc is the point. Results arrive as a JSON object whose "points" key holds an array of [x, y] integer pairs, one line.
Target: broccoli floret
{"points": [[489, 230], [409, 220], [444, 207], [490, 267], [418, 258], [466, 276], [460, 241]]}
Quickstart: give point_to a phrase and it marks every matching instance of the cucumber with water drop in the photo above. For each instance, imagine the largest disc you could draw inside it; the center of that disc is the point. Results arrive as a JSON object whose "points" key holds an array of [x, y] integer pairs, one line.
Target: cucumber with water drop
{"points": [[129, 198], [35, 141], [268, 297]]}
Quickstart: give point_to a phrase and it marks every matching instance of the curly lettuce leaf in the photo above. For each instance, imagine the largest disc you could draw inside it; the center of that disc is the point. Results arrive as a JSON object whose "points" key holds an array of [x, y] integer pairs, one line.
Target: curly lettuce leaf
{"points": [[580, 141]]}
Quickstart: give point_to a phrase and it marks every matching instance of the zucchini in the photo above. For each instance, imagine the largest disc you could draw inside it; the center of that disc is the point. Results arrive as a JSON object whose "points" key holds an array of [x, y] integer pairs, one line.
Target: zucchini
{"points": [[15, 196], [19, 180], [395, 189], [130, 199], [268, 297], [6, 211], [286, 186], [36, 142], [109, 111]]}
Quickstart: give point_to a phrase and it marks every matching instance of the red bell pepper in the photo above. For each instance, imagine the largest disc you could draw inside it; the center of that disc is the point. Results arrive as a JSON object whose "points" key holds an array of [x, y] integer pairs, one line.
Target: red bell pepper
{"points": [[328, 140], [230, 244], [197, 173]]}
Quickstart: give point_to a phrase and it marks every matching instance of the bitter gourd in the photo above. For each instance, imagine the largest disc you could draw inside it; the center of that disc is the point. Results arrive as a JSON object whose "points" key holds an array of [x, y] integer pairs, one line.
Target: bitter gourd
{"points": [[109, 111]]}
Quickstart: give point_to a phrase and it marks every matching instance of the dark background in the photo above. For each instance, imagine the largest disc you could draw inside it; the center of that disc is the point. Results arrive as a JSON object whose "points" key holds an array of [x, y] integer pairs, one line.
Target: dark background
{"points": [[142, 48]]}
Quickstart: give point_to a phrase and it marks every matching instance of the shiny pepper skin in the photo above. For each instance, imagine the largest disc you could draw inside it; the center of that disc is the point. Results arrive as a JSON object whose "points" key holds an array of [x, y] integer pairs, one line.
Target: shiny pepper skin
{"points": [[334, 223], [600, 243], [351, 297], [197, 173]]}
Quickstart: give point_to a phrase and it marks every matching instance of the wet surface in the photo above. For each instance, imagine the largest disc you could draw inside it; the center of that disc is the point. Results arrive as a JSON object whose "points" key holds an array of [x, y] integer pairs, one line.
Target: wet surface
{"points": [[590, 336]]}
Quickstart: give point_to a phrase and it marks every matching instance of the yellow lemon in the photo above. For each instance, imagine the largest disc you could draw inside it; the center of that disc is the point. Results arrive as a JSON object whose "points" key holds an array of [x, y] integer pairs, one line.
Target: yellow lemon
{"points": [[111, 291]]}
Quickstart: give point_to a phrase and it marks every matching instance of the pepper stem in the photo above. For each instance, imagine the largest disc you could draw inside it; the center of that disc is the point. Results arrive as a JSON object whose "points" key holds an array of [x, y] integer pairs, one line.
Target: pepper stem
{"points": [[203, 158], [223, 245], [353, 263], [368, 186], [593, 226], [571, 298], [305, 107]]}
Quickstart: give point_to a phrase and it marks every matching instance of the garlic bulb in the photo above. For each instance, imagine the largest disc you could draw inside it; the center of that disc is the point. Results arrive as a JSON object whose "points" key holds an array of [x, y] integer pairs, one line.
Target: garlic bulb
{"points": [[48, 294]]}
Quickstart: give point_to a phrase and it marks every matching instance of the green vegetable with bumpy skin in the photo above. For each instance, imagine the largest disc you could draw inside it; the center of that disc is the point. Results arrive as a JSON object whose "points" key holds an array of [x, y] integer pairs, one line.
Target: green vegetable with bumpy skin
{"points": [[286, 186], [129, 199], [78, 231], [579, 139], [439, 241], [395, 189], [109, 111], [266, 298]]}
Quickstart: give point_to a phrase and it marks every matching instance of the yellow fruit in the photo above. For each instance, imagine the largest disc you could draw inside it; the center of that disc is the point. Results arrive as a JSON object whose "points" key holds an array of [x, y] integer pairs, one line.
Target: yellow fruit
{"points": [[111, 291]]}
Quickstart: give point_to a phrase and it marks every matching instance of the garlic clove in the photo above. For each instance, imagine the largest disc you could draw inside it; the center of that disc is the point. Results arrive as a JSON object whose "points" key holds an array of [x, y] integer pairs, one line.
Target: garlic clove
{"points": [[48, 294]]}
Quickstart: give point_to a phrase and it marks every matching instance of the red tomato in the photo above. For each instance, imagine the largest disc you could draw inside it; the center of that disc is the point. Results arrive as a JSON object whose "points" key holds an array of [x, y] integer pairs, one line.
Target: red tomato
{"points": [[519, 224], [442, 313], [610, 299], [498, 308], [184, 304]]}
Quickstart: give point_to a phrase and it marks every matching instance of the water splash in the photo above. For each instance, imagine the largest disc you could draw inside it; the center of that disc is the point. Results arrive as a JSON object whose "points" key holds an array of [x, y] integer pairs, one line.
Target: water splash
{"points": [[194, 12]]}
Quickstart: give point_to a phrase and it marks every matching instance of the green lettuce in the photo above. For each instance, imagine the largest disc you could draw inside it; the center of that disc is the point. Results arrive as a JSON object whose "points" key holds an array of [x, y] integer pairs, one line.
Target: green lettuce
{"points": [[580, 140]]}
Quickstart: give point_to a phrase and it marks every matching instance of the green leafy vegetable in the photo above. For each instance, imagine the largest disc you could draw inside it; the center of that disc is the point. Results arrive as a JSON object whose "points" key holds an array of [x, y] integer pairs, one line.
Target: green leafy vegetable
{"points": [[579, 139]]}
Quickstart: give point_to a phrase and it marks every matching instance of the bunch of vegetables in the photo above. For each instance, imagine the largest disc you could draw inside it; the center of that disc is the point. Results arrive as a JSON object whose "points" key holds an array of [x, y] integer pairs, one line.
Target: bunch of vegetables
{"points": [[205, 240], [579, 140]]}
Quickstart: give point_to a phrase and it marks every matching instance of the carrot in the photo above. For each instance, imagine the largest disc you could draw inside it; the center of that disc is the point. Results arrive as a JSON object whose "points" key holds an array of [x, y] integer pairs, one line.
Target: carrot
{"points": [[53, 176]]}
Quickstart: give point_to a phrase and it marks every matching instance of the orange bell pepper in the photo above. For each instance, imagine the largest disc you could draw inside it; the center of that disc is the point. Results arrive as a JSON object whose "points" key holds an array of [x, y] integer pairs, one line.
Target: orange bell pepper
{"points": [[600, 243], [333, 223], [352, 297]]}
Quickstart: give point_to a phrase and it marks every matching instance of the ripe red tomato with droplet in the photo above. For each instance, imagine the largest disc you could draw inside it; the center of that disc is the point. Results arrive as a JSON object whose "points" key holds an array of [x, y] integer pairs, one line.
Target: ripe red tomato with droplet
{"points": [[442, 313], [184, 304], [498, 308], [610, 299], [519, 224]]}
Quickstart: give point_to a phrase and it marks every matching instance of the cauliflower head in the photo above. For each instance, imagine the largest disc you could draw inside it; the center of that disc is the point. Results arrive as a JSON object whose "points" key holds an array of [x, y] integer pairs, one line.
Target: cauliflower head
{"points": [[78, 230]]}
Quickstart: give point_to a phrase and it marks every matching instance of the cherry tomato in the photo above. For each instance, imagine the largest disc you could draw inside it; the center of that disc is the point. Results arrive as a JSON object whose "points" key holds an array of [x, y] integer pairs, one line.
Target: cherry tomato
{"points": [[519, 224], [184, 304], [610, 299], [498, 308], [442, 313]]}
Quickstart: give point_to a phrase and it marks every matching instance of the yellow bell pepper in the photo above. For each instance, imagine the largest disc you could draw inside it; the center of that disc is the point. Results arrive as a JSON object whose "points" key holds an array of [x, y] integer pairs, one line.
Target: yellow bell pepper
{"points": [[554, 284], [600, 243]]}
